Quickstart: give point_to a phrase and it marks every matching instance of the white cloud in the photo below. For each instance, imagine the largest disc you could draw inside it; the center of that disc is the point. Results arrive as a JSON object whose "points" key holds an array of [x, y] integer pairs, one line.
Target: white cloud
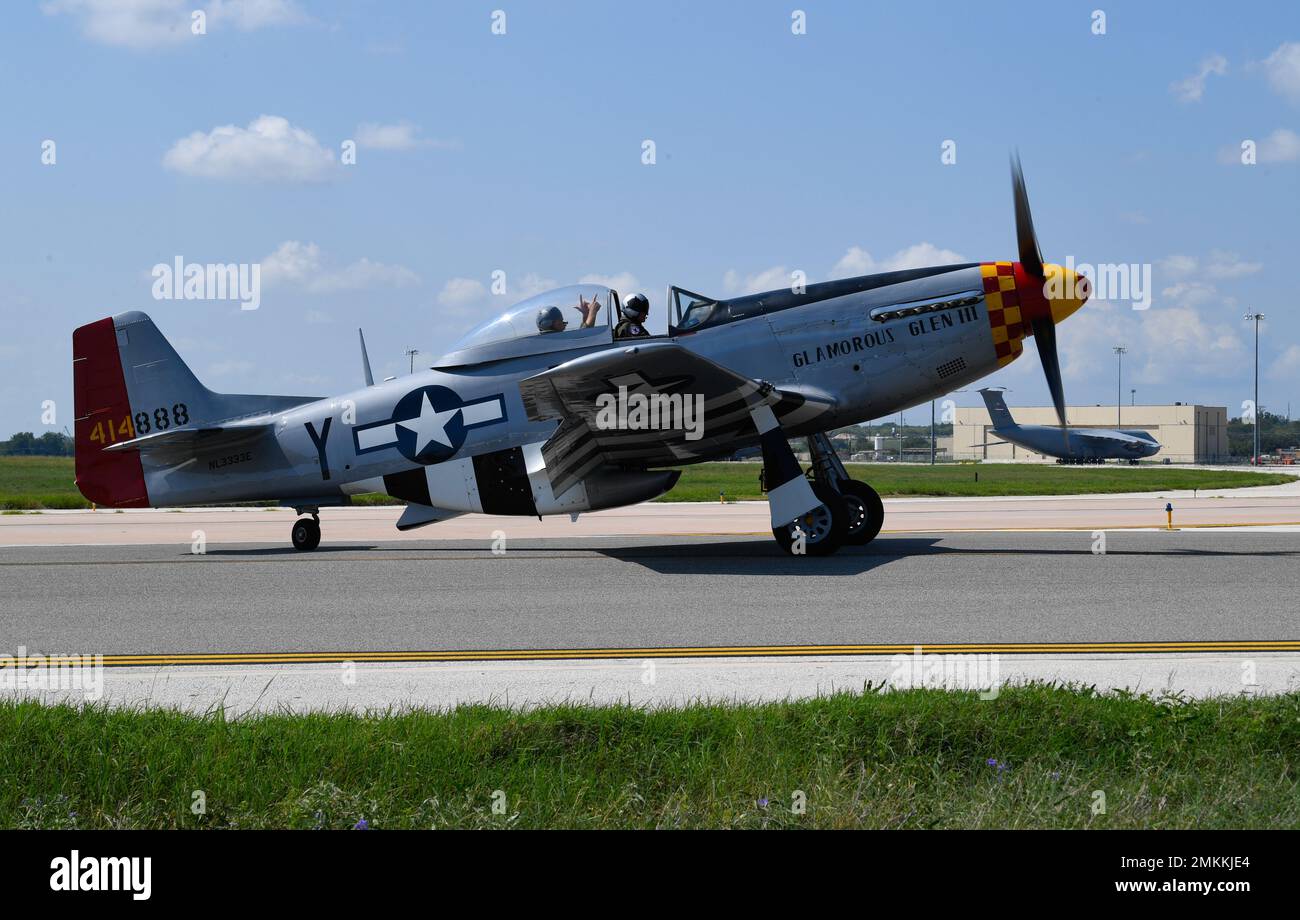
{"points": [[400, 136], [625, 283], [1287, 365], [1190, 292], [1282, 146], [525, 287], [249, 15], [462, 298], [297, 263], [142, 24], [1224, 265], [292, 262], [459, 293], [1282, 68], [1191, 281], [269, 149], [1176, 338], [364, 273], [1178, 265], [1191, 89], [857, 261], [770, 279]]}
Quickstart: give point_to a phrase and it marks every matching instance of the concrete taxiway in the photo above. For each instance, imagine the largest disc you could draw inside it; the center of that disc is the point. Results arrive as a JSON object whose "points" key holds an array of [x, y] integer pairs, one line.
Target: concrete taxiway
{"points": [[1277, 506], [646, 619]]}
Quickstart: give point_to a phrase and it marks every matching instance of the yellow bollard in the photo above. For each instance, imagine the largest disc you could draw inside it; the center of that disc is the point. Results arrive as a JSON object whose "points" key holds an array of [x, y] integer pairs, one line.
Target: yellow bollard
{"points": [[1169, 515]]}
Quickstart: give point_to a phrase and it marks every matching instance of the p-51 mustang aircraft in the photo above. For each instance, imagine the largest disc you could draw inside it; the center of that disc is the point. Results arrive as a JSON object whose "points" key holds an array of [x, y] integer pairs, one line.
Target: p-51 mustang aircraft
{"points": [[1068, 445], [512, 420]]}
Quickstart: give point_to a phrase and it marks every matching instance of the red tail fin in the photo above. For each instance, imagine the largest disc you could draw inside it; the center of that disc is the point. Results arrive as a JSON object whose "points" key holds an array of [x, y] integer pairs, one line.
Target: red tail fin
{"points": [[103, 412]]}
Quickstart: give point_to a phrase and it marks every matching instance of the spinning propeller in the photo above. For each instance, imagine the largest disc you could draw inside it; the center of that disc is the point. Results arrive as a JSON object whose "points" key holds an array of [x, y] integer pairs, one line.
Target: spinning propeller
{"points": [[1043, 314]]}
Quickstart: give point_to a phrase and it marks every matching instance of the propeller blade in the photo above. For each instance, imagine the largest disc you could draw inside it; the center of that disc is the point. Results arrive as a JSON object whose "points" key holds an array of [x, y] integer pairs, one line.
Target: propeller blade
{"points": [[1031, 257], [1045, 339]]}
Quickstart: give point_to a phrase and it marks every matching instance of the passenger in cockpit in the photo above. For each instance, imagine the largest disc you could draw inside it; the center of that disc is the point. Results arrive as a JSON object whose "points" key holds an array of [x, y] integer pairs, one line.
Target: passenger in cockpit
{"points": [[550, 319], [632, 326]]}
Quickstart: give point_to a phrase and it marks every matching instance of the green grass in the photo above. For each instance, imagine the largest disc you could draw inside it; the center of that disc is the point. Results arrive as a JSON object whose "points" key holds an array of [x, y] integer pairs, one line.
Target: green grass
{"points": [[739, 481], [912, 759], [28, 483]]}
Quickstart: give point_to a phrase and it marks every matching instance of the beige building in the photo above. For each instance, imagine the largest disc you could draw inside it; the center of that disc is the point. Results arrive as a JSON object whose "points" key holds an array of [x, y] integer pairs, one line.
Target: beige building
{"points": [[1187, 434]]}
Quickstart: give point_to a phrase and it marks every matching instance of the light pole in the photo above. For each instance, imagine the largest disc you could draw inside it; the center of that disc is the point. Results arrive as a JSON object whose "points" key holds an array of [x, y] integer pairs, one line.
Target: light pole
{"points": [[932, 432], [1254, 410], [411, 353], [1120, 352]]}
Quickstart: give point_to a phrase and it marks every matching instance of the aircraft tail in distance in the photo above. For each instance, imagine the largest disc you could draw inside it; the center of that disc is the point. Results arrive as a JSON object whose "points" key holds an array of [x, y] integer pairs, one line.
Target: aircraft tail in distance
{"points": [[998, 410]]}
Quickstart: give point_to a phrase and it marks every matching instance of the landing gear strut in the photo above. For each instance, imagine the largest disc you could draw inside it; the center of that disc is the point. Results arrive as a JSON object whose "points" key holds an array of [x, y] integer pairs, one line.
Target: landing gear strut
{"points": [[306, 531], [851, 511]]}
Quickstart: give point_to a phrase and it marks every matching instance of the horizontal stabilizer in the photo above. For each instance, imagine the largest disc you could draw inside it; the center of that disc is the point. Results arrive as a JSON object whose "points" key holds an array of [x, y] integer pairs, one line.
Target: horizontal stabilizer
{"points": [[206, 436]]}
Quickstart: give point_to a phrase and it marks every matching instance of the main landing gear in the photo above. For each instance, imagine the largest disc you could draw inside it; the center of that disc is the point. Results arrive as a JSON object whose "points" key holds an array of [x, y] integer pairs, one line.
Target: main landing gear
{"points": [[851, 512], [306, 531]]}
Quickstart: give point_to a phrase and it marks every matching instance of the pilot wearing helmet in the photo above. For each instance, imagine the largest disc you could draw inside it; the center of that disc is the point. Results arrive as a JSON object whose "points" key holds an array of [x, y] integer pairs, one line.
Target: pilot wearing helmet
{"points": [[632, 326]]}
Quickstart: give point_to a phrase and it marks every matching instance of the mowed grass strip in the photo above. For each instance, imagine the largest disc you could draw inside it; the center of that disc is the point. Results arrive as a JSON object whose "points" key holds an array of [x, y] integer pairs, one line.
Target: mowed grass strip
{"points": [[33, 483], [739, 481], [1037, 756]]}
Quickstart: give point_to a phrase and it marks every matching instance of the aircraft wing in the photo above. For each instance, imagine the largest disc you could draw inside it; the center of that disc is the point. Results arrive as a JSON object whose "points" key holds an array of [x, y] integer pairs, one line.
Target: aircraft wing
{"points": [[585, 395], [1105, 437], [193, 437]]}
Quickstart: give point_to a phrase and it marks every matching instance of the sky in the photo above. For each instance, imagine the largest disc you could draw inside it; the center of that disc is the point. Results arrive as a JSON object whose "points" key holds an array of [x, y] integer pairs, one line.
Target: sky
{"points": [[383, 164]]}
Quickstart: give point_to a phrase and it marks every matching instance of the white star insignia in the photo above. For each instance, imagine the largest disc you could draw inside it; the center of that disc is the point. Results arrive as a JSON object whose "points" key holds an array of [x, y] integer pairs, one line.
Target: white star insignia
{"points": [[431, 425]]}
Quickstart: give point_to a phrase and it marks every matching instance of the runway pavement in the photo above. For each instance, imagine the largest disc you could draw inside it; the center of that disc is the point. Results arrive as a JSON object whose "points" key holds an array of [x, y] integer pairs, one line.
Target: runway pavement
{"points": [[637, 592], [730, 615], [655, 604]]}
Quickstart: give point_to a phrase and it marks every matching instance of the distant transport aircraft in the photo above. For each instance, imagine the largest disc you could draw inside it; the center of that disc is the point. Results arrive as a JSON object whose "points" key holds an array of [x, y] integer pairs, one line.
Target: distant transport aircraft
{"points": [[1068, 445], [516, 418]]}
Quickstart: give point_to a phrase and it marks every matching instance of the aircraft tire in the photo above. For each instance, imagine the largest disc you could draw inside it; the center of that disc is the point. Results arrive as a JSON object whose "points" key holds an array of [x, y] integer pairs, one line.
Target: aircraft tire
{"points": [[866, 512], [826, 526], [305, 534]]}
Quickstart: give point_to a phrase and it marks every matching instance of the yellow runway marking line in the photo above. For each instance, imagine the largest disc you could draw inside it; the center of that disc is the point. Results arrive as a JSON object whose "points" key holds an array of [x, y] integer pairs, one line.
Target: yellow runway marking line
{"points": [[742, 651]]}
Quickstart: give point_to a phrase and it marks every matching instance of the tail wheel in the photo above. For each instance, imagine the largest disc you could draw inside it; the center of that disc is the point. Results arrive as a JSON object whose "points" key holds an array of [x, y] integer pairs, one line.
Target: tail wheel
{"points": [[821, 531], [866, 512], [305, 534]]}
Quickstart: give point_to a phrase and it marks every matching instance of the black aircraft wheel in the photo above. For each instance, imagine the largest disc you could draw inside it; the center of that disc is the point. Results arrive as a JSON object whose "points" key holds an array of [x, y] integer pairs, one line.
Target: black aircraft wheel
{"points": [[866, 512], [822, 529], [306, 534]]}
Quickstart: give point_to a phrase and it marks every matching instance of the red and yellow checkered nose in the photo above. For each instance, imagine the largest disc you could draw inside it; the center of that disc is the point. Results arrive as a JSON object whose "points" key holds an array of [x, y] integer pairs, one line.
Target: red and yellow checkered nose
{"points": [[1015, 299]]}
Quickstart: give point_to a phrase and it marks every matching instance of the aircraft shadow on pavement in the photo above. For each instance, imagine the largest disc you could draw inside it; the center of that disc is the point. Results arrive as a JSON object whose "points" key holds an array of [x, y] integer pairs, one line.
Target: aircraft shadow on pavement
{"points": [[703, 557], [764, 557], [735, 556]]}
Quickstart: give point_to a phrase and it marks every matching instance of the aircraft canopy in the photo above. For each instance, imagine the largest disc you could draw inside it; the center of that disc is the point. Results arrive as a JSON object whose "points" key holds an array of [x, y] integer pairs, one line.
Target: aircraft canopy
{"points": [[520, 321]]}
